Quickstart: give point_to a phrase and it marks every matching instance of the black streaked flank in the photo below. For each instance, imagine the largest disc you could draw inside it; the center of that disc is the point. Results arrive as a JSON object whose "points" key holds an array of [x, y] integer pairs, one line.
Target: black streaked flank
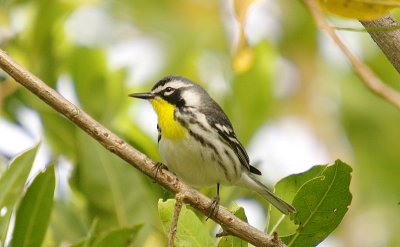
{"points": [[213, 158], [181, 121], [218, 157], [232, 161], [159, 133], [204, 143], [225, 170], [192, 120]]}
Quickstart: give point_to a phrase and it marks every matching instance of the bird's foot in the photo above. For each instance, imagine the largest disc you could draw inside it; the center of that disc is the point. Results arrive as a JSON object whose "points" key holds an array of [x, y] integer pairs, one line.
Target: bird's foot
{"points": [[158, 167], [213, 207]]}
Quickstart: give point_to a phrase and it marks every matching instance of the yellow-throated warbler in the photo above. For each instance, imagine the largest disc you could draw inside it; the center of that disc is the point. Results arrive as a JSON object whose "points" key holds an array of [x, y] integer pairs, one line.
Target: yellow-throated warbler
{"points": [[196, 140]]}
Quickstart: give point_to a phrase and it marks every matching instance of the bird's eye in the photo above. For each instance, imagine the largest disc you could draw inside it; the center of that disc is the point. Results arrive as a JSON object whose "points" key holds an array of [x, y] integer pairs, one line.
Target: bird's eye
{"points": [[169, 89]]}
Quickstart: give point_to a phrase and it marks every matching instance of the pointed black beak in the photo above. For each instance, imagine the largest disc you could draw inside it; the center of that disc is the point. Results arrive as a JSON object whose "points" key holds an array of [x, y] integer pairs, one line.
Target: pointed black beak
{"points": [[142, 95]]}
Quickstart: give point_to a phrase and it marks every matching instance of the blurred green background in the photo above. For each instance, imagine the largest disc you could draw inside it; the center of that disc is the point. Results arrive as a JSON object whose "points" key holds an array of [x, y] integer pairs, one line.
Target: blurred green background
{"points": [[292, 98]]}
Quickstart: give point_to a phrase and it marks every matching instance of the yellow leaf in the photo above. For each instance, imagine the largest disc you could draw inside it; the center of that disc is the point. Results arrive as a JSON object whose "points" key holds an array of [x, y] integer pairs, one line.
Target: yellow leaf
{"points": [[359, 9], [243, 56], [243, 60]]}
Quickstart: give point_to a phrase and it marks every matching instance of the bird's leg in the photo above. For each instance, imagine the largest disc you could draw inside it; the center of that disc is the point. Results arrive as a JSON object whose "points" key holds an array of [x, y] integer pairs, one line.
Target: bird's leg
{"points": [[159, 167], [214, 204]]}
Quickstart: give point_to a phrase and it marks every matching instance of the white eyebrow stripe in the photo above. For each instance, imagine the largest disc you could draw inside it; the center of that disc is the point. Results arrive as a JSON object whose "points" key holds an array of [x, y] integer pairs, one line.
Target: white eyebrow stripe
{"points": [[173, 84]]}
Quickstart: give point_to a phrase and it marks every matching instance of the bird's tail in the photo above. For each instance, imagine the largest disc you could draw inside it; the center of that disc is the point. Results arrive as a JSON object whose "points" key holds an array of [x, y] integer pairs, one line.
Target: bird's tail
{"points": [[268, 195]]}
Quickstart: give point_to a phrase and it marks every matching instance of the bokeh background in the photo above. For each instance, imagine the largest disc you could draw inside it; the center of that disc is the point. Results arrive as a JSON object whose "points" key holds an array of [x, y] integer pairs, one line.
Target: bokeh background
{"points": [[291, 95]]}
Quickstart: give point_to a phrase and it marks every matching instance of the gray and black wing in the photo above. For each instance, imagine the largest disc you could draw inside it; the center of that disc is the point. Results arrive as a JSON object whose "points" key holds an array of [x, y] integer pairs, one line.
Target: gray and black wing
{"points": [[217, 119], [228, 135]]}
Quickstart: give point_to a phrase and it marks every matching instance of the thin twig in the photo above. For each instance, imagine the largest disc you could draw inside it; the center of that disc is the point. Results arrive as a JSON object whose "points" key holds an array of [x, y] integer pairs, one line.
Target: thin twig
{"points": [[365, 73], [135, 158], [174, 222]]}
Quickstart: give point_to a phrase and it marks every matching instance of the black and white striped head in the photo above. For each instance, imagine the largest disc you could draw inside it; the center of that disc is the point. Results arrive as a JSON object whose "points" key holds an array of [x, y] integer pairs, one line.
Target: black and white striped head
{"points": [[177, 91]]}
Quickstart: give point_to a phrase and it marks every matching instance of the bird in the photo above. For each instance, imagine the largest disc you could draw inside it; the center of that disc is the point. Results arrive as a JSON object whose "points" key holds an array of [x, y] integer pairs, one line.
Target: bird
{"points": [[196, 140]]}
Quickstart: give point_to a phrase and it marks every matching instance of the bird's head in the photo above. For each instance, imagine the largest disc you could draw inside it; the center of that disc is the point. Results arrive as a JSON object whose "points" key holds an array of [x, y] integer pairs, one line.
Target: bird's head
{"points": [[176, 91]]}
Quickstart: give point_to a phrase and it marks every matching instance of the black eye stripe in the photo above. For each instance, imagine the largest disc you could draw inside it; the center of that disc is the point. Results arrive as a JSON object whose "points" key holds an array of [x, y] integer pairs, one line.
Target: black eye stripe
{"points": [[172, 95]]}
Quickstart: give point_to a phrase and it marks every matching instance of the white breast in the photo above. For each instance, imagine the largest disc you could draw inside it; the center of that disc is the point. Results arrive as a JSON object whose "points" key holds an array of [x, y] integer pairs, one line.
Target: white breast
{"points": [[196, 164]]}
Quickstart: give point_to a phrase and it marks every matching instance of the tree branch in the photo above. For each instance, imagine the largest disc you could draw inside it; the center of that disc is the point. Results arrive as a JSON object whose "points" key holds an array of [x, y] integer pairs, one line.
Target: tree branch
{"points": [[179, 199], [113, 143], [387, 40], [365, 73]]}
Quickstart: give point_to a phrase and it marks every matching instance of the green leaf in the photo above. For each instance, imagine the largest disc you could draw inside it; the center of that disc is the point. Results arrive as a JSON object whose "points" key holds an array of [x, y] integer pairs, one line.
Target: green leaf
{"points": [[99, 90], [321, 204], [62, 142], [90, 238], [117, 194], [287, 188], [232, 241], [33, 214], [119, 237], [11, 185], [190, 230], [42, 39], [79, 244], [68, 221], [135, 136]]}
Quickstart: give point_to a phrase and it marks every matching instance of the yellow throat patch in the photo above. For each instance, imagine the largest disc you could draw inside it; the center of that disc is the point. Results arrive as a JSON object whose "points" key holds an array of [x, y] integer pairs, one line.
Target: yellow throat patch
{"points": [[170, 128]]}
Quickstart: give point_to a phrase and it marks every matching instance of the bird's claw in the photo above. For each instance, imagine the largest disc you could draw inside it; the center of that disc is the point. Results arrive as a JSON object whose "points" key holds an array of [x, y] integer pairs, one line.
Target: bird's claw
{"points": [[158, 167], [213, 207]]}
